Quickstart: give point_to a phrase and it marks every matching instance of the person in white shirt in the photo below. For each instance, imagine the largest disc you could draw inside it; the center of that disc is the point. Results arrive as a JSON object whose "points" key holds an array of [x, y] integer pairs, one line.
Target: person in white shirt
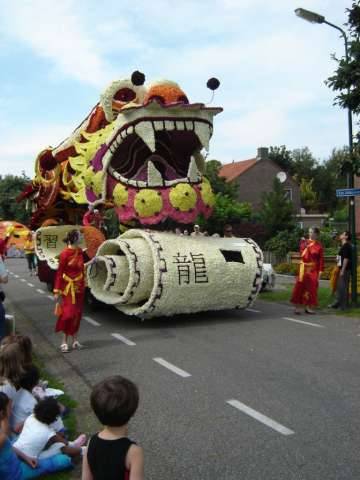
{"points": [[196, 232], [39, 440], [25, 401]]}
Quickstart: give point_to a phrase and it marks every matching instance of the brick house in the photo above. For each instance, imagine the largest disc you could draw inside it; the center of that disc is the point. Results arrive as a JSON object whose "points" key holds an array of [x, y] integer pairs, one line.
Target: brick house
{"points": [[256, 176]]}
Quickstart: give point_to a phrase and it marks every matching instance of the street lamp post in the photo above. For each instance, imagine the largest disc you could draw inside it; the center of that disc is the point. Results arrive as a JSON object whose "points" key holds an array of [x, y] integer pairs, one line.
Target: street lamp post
{"points": [[313, 17]]}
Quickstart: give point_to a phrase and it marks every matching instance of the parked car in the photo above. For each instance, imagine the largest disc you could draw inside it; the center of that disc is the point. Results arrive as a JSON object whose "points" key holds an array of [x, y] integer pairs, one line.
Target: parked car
{"points": [[269, 277]]}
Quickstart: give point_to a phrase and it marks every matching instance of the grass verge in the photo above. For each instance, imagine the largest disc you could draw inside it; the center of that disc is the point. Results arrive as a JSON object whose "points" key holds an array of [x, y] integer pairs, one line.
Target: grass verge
{"points": [[69, 420], [324, 296]]}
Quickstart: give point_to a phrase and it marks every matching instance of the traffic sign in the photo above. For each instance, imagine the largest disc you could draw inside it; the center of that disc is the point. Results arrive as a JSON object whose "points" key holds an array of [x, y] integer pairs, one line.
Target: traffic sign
{"points": [[348, 192]]}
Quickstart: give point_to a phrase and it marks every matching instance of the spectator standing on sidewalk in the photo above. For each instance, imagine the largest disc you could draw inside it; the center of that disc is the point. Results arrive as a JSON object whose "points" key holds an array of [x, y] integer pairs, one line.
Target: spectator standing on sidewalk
{"points": [[3, 279], [344, 260]]}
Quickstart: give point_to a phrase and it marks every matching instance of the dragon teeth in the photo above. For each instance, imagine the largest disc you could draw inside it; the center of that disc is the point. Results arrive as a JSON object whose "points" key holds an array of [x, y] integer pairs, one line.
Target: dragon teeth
{"points": [[193, 173], [154, 176], [145, 131], [169, 125], [180, 125], [202, 131], [159, 125], [200, 162]]}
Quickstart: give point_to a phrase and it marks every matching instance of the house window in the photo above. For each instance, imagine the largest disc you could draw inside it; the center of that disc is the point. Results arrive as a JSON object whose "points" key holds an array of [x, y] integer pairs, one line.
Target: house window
{"points": [[288, 193]]}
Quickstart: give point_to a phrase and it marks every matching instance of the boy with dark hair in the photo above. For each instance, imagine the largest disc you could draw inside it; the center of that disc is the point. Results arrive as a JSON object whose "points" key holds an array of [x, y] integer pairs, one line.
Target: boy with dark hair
{"points": [[111, 455], [38, 438], [24, 401]]}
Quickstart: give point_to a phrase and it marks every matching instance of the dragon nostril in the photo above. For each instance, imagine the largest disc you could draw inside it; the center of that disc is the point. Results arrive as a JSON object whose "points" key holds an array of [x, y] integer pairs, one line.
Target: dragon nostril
{"points": [[183, 99], [157, 98]]}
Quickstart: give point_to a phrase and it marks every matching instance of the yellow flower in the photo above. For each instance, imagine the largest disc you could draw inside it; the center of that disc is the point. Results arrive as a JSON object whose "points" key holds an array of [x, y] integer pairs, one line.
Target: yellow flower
{"points": [[148, 202], [120, 195], [97, 183], [183, 197], [206, 193], [88, 176]]}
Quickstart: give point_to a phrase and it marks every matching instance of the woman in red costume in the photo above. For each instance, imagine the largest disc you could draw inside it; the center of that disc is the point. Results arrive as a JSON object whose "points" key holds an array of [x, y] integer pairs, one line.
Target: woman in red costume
{"points": [[70, 287], [311, 267]]}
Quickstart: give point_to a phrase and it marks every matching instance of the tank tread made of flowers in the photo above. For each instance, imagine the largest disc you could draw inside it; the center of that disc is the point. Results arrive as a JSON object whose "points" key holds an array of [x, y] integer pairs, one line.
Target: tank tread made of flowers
{"points": [[150, 274]]}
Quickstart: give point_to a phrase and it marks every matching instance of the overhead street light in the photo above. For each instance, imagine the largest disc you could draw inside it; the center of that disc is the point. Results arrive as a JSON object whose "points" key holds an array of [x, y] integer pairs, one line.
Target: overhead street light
{"points": [[311, 17], [314, 17]]}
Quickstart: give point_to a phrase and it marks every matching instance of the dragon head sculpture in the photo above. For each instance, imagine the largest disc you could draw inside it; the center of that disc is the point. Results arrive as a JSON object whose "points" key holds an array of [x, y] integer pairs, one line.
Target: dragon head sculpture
{"points": [[139, 151]]}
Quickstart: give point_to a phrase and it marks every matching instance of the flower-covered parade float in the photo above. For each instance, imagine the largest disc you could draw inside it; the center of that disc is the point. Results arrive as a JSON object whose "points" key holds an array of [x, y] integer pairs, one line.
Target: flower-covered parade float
{"points": [[140, 152]]}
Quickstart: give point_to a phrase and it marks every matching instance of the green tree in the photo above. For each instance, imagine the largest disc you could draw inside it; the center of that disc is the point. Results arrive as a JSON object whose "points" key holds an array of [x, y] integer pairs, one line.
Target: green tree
{"points": [[277, 213], [303, 164], [328, 177], [226, 210], [219, 184], [10, 187], [283, 157], [308, 196], [345, 81]]}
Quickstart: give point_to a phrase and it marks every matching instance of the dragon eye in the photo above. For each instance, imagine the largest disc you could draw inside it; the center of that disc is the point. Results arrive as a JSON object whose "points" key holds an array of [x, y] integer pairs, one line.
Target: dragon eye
{"points": [[157, 98], [183, 99], [125, 95]]}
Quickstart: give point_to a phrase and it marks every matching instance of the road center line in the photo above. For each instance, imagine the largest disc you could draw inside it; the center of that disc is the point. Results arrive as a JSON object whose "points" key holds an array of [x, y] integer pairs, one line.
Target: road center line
{"points": [[260, 417], [22, 280], [252, 310], [172, 367], [16, 276], [92, 321], [123, 339], [30, 284], [40, 291], [302, 322]]}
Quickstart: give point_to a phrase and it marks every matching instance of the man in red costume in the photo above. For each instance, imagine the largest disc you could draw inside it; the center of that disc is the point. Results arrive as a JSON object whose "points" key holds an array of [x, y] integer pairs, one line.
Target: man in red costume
{"points": [[70, 287], [311, 267], [93, 218]]}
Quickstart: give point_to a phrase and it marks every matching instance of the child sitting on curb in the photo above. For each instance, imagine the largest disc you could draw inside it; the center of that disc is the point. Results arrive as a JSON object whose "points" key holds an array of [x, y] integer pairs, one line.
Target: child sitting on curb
{"points": [[14, 465], [38, 438], [111, 454]]}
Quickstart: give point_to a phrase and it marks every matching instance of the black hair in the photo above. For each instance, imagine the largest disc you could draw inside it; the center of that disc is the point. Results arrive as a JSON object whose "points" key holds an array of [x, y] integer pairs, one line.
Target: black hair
{"points": [[316, 230], [47, 410], [72, 237], [4, 401], [348, 235], [30, 378], [114, 401]]}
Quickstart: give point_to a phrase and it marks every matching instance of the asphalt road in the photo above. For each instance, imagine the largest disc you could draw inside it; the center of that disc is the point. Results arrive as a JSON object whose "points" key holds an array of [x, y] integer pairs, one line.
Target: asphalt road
{"points": [[293, 387]]}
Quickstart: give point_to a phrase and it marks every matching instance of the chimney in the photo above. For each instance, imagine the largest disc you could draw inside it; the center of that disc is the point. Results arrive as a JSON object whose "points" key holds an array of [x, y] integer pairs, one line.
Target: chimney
{"points": [[262, 153]]}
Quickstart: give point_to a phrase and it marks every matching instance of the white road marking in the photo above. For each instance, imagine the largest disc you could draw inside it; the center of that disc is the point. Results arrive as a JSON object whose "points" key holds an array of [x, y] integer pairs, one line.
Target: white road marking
{"points": [[172, 367], [30, 284], [51, 297], [123, 339], [252, 310], [304, 323], [92, 321], [16, 276], [40, 291], [22, 280], [260, 417], [11, 273]]}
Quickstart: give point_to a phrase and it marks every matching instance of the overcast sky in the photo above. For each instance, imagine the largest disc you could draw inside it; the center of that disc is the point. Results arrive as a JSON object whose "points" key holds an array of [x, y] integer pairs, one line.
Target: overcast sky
{"points": [[57, 56]]}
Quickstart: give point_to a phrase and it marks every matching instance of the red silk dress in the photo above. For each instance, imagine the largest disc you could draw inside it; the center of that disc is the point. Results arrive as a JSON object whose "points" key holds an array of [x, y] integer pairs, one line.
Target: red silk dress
{"points": [[307, 282], [70, 284]]}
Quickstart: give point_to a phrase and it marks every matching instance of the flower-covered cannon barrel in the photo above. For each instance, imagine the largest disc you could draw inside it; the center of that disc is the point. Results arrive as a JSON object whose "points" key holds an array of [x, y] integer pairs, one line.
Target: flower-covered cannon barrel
{"points": [[151, 274]]}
